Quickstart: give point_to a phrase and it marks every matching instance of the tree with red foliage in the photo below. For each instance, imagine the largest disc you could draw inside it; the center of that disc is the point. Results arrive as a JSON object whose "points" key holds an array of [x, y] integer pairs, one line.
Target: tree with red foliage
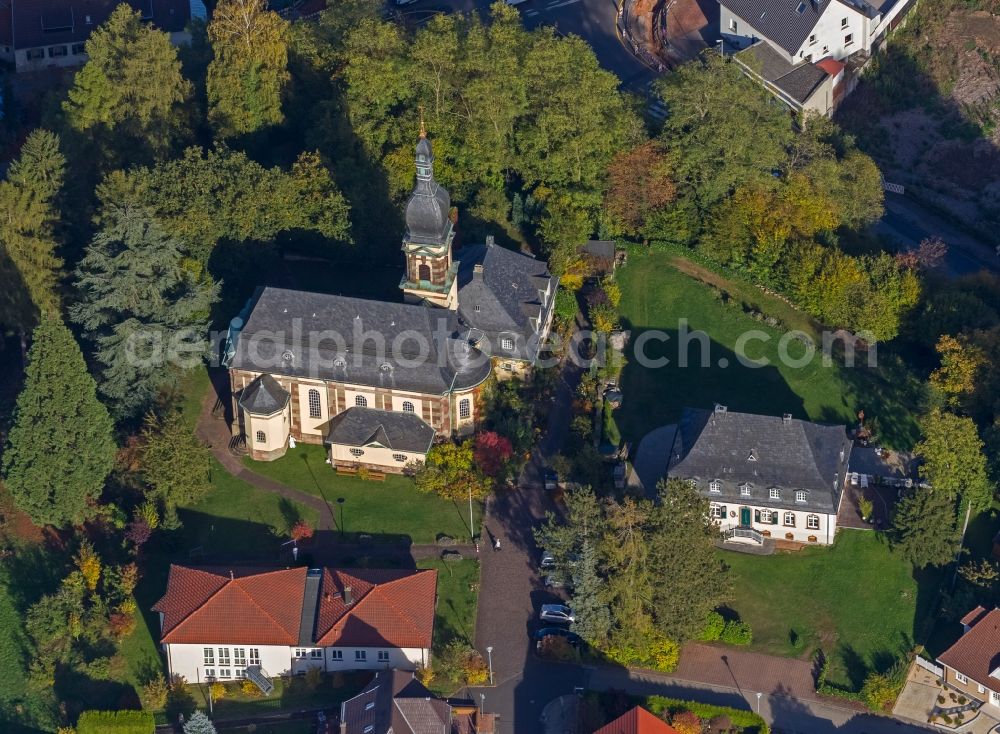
{"points": [[686, 722], [138, 532], [640, 182], [492, 452], [301, 531]]}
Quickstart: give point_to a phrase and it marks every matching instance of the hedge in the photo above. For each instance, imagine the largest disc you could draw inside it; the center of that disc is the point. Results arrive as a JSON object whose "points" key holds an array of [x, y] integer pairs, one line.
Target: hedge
{"points": [[116, 722], [746, 720]]}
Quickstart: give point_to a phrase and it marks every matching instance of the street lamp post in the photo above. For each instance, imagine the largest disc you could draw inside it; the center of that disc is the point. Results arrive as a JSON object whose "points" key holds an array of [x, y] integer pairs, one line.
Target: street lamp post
{"points": [[472, 525], [489, 655], [722, 47], [341, 501], [758, 703]]}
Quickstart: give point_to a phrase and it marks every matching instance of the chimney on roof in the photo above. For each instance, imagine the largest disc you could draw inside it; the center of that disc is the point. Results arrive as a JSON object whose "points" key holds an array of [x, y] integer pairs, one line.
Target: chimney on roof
{"points": [[348, 596], [231, 576], [786, 418], [477, 271], [490, 241], [720, 409]]}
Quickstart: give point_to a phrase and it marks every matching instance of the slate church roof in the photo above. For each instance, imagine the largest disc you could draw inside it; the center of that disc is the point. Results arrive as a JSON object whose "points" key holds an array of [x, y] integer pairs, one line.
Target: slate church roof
{"points": [[393, 429], [501, 293], [336, 338], [764, 452], [264, 396]]}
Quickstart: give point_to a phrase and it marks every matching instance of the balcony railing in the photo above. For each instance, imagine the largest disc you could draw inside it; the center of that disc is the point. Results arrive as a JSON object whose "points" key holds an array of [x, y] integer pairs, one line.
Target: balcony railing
{"points": [[744, 534]]}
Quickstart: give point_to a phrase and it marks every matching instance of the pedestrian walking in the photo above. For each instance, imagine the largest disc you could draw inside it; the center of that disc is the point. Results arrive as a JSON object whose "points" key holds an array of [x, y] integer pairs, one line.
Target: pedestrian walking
{"points": [[496, 545]]}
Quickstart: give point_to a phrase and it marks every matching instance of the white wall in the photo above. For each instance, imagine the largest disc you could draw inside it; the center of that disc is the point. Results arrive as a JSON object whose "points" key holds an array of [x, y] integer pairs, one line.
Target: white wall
{"points": [[308, 424], [275, 428], [399, 398], [830, 34], [188, 660], [375, 455], [351, 395], [800, 532]]}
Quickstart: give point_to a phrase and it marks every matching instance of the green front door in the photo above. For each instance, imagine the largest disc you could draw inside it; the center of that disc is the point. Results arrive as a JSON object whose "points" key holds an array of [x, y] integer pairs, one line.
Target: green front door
{"points": [[745, 517]]}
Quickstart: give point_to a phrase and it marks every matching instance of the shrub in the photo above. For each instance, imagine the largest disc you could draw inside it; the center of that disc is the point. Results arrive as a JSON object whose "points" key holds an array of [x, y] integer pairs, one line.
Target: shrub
{"points": [[301, 531], [115, 722], [217, 690], [249, 689], [199, 724], [425, 674], [460, 661], [738, 718], [686, 722], [312, 678], [879, 692], [154, 693], [719, 724], [866, 507], [714, 624], [736, 633], [558, 648]]}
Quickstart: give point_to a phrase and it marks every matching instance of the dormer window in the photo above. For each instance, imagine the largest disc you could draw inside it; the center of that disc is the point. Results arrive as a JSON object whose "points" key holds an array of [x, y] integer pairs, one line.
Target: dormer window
{"points": [[752, 456], [801, 9], [477, 308], [800, 495], [812, 39], [775, 493], [745, 489], [506, 343], [715, 486]]}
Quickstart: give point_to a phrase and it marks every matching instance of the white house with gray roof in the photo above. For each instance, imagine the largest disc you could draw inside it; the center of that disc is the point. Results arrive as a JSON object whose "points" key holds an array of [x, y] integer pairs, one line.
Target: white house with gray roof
{"points": [[376, 381], [764, 476]]}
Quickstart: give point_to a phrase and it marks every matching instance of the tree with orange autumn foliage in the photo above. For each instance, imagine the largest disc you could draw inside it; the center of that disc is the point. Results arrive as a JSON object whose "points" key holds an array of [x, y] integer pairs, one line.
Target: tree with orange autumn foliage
{"points": [[639, 184]]}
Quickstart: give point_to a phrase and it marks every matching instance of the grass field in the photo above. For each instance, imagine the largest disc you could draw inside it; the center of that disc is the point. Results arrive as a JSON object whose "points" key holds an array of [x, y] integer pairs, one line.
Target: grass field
{"points": [[657, 295], [856, 600], [387, 510]]}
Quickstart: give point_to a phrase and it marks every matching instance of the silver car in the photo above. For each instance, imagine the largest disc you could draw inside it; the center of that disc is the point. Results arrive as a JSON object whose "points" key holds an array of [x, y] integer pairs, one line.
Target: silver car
{"points": [[556, 613]]}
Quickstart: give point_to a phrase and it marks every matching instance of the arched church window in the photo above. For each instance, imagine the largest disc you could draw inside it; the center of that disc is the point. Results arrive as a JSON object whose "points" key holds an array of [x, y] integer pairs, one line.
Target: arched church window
{"points": [[315, 407], [361, 401], [407, 406], [464, 409], [424, 271], [261, 437]]}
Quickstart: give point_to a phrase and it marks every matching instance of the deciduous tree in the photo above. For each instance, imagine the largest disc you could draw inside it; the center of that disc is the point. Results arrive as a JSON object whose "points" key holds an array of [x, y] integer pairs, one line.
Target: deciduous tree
{"points": [[640, 182], [450, 472], [247, 76], [961, 363], [60, 449], [954, 464]]}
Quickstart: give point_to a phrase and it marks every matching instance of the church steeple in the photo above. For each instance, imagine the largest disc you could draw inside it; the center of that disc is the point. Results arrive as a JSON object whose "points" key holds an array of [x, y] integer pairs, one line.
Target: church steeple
{"points": [[430, 272]]}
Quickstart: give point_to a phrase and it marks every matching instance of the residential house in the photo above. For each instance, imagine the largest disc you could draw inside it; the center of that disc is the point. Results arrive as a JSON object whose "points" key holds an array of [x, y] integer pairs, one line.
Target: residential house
{"points": [[395, 702], [799, 34], [231, 623], [37, 34], [298, 360], [805, 87], [972, 665], [637, 721], [764, 476]]}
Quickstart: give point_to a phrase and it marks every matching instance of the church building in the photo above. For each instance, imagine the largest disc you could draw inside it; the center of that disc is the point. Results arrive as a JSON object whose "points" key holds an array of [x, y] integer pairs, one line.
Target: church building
{"points": [[378, 381]]}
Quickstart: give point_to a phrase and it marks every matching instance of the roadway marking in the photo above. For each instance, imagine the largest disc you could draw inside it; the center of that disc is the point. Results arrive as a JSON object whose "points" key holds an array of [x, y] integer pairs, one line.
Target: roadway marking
{"points": [[530, 13]]}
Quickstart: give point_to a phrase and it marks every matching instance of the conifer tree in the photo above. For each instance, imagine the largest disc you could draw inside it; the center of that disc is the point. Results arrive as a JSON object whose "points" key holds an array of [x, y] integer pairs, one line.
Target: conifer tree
{"points": [[174, 462], [590, 609], [28, 219], [143, 310], [925, 527], [60, 449], [199, 724], [247, 77], [131, 86]]}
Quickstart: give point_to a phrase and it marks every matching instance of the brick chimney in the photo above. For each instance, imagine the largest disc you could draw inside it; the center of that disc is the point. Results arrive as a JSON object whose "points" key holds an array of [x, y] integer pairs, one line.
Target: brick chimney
{"points": [[348, 596]]}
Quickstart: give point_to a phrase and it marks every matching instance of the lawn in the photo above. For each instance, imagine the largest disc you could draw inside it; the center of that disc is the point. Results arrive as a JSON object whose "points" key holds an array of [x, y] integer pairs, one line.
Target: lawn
{"points": [[388, 510], [856, 600], [455, 615], [289, 694], [657, 295]]}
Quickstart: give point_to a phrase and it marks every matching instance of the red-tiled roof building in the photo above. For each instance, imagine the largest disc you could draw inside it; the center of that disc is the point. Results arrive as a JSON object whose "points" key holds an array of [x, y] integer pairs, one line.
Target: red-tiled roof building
{"points": [[972, 665], [216, 623], [637, 721]]}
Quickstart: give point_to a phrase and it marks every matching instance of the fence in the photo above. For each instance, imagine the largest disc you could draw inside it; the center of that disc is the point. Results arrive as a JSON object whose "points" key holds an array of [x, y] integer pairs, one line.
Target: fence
{"points": [[929, 666]]}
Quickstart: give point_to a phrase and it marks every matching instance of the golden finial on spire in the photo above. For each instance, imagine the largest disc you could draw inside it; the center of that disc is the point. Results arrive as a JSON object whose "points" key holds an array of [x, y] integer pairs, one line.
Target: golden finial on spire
{"points": [[423, 130]]}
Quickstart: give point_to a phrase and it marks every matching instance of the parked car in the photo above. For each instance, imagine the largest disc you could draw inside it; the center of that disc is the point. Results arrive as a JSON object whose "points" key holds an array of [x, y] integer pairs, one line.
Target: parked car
{"points": [[548, 561], [556, 613], [571, 637], [551, 479], [554, 582]]}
